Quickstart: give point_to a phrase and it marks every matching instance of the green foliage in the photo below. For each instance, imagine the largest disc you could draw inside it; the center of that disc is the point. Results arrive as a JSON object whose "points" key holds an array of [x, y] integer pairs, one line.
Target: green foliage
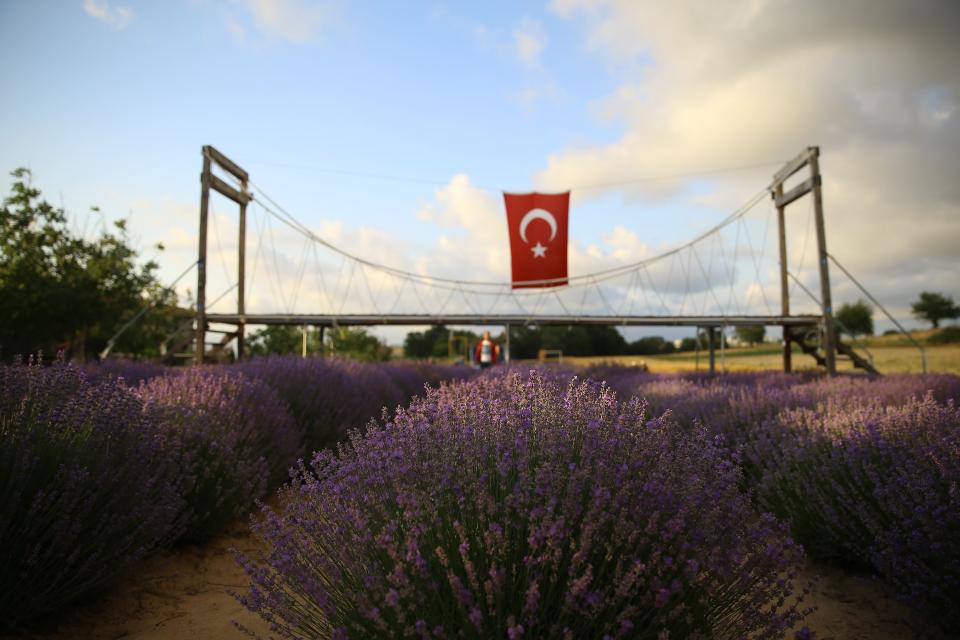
{"points": [[526, 342], [855, 319], [434, 342], [650, 345], [61, 292], [751, 335], [355, 344], [947, 335], [283, 339], [934, 307]]}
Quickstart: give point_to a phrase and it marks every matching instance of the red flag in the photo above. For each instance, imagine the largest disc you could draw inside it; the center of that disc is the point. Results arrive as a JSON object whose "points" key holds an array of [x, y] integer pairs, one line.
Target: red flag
{"points": [[537, 223]]}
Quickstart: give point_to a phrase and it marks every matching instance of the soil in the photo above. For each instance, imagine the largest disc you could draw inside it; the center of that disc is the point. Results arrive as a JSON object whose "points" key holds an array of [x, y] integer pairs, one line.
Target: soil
{"points": [[183, 594]]}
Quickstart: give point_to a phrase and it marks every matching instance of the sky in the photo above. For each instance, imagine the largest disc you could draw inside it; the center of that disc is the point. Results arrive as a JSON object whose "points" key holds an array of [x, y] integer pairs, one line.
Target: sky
{"points": [[390, 128]]}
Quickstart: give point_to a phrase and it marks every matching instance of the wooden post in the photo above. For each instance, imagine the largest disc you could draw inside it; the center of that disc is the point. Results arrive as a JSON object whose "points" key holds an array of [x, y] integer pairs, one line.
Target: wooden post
{"points": [[506, 344], [321, 339], [201, 328], [241, 277], [711, 335], [829, 337], [784, 283], [303, 343]]}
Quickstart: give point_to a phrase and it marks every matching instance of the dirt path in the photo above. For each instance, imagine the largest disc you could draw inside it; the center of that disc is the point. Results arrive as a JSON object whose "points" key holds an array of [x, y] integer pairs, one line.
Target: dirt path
{"points": [[179, 594], [183, 595]]}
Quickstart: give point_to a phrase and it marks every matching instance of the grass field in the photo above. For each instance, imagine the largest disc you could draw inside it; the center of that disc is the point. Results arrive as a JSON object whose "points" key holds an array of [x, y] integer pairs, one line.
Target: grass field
{"points": [[891, 354]]}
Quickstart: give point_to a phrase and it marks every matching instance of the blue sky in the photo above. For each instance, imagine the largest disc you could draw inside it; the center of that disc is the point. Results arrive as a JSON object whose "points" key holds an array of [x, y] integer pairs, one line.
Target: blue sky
{"points": [[390, 127]]}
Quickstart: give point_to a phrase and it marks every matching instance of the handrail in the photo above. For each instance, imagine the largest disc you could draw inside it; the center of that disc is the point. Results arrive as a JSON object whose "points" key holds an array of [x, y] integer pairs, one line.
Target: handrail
{"points": [[923, 352]]}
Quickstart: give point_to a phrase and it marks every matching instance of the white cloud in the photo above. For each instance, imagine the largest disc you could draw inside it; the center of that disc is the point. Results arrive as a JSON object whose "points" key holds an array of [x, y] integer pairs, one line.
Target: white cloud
{"points": [[529, 41], [727, 84], [117, 17], [297, 21]]}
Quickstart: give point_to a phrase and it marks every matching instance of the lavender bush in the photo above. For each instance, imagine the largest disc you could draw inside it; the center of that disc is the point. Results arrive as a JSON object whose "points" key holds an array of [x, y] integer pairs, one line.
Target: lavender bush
{"points": [[514, 507], [133, 372], [878, 487], [327, 397], [85, 489], [231, 438]]}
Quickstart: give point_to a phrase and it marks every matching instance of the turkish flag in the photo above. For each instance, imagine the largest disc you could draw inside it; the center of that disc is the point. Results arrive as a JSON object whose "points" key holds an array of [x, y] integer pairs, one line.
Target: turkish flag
{"points": [[537, 223]]}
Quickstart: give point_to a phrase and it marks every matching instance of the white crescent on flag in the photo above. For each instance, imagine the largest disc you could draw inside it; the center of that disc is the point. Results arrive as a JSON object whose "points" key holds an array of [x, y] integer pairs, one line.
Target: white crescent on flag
{"points": [[535, 214]]}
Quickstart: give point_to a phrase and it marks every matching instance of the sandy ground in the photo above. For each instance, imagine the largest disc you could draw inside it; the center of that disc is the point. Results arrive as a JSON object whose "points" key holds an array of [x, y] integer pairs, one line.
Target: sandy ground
{"points": [[183, 595]]}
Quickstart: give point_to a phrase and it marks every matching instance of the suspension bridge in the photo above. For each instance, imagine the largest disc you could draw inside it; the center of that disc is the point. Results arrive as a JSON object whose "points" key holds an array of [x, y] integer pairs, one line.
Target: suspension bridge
{"points": [[743, 271]]}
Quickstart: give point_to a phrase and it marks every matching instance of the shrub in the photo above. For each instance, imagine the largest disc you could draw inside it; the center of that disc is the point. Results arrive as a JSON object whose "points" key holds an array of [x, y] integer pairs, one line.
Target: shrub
{"points": [[230, 437], [947, 335], [327, 397], [133, 372], [511, 507], [877, 487], [85, 490]]}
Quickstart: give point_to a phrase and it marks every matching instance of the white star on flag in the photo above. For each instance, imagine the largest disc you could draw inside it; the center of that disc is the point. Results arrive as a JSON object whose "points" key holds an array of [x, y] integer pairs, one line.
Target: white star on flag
{"points": [[539, 251]]}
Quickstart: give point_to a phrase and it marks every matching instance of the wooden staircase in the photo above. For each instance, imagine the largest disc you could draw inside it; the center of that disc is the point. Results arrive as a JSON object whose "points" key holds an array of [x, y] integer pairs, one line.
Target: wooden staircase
{"points": [[180, 346], [812, 348]]}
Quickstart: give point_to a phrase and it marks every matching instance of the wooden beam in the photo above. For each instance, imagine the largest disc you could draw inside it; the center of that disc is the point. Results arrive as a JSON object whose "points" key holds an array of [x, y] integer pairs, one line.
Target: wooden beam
{"points": [[225, 163], [829, 337], [795, 165], [798, 191], [784, 282], [347, 320], [221, 187], [201, 327]]}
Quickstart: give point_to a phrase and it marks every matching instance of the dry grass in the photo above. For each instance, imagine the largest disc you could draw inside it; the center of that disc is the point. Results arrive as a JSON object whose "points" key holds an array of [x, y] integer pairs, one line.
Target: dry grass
{"points": [[888, 356]]}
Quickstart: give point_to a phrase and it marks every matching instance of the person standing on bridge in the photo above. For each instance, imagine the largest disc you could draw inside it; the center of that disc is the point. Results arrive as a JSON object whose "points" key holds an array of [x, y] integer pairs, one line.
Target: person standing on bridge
{"points": [[487, 352]]}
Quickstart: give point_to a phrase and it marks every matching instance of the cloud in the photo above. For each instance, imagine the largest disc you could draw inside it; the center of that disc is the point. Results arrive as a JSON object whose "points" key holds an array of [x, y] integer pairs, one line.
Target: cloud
{"points": [[873, 83], [296, 21], [529, 41], [118, 18]]}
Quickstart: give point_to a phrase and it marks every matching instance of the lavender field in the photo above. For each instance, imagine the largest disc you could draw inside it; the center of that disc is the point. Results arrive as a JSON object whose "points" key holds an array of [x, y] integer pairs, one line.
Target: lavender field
{"points": [[547, 503]]}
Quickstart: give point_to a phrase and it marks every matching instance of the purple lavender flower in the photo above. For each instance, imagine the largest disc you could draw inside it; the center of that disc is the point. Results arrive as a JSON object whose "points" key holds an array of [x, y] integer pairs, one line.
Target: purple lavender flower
{"points": [[513, 505], [85, 488]]}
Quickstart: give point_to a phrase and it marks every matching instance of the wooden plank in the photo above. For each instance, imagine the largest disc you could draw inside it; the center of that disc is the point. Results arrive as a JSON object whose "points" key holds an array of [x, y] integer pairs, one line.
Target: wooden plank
{"points": [[225, 189], [225, 163], [795, 165], [798, 191]]}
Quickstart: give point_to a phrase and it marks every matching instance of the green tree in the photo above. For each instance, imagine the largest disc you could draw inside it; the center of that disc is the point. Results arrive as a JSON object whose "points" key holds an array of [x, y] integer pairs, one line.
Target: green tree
{"points": [[434, 342], [855, 319], [356, 344], [751, 334], [282, 339], [934, 307], [60, 292]]}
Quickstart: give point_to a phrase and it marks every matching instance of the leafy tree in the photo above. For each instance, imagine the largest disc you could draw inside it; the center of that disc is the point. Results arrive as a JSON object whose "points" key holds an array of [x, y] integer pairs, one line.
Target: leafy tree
{"points": [[355, 343], [434, 342], [650, 345], [60, 292], [934, 307], [281, 339], [751, 335], [856, 319]]}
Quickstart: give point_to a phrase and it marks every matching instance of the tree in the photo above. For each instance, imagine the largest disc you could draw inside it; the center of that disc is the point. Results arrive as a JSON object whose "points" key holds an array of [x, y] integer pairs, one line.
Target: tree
{"points": [[60, 292], [282, 339], [855, 319], [934, 307], [751, 335], [355, 344], [434, 342]]}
